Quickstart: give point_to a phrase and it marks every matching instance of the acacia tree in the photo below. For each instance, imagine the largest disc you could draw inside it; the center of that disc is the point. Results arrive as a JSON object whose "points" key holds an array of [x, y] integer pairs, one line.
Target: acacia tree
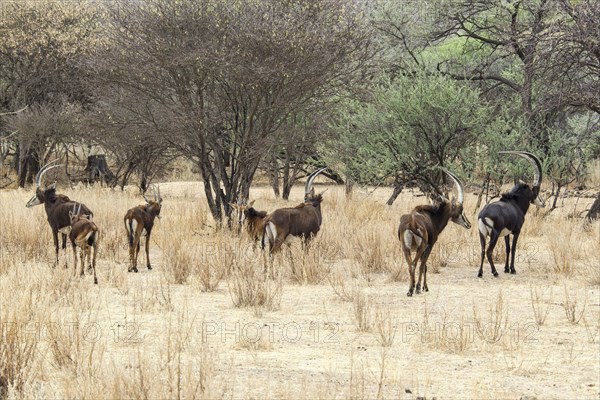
{"points": [[294, 149], [542, 50], [216, 79], [410, 128], [41, 52]]}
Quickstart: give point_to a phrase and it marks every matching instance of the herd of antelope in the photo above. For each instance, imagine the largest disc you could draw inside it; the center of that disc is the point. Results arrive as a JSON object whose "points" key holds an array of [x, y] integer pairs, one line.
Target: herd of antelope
{"points": [[418, 231]]}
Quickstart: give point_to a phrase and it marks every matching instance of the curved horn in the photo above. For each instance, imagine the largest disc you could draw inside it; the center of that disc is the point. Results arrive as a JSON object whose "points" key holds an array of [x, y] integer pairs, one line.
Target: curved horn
{"points": [[43, 170], [458, 184], [311, 179], [534, 161]]}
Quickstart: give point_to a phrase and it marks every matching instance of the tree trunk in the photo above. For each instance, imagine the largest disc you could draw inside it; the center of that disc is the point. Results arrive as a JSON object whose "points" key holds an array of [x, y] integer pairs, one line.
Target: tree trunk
{"points": [[275, 174], [398, 186], [484, 188], [558, 187], [594, 212], [349, 186]]}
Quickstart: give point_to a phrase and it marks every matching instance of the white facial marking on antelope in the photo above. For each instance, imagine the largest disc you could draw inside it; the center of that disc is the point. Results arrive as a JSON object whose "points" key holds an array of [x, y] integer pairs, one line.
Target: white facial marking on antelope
{"points": [[419, 231], [303, 221], [506, 216], [57, 207]]}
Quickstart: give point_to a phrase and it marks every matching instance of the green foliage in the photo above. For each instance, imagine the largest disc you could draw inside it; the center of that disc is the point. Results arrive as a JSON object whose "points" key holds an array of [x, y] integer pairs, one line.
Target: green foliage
{"points": [[571, 146], [412, 126]]}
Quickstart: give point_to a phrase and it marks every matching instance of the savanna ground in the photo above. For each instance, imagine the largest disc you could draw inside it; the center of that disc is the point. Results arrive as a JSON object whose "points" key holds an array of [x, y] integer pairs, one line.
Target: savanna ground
{"points": [[335, 323]]}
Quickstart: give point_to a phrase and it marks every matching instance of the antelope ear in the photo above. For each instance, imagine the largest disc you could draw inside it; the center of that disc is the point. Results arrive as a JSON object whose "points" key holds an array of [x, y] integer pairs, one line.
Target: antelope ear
{"points": [[52, 186], [251, 203], [233, 205]]}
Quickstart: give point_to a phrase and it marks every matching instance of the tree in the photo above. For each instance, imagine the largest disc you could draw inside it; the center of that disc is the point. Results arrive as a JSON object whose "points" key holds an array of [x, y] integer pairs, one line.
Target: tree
{"points": [[216, 79], [41, 52], [412, 126], [541, 50]]}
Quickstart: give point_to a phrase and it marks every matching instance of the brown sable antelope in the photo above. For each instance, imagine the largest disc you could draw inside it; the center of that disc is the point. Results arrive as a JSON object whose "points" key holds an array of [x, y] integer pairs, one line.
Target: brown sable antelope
{"points": [[255, 220], [420, 229], [84, 233], [58, 207], [506, 216], [303, 221], [139, 222]]}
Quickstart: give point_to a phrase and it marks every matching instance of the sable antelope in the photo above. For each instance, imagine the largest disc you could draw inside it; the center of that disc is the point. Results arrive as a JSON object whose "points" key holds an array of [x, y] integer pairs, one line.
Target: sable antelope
{"points": [[58, 207], [139, 222], [506, 216], [302, 221], [420, 229], [255, 220], [84, 233]]}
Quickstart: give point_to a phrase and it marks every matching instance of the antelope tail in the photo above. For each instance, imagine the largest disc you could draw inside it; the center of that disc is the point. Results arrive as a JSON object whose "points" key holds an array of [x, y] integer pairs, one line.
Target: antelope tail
{"points": [[411, 234], [92, 237], [130, 231]]}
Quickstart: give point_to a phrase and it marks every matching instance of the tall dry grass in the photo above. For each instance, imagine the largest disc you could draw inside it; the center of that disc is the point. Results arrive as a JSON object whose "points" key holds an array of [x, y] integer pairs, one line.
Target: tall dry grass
{"points": [[353, 273]]}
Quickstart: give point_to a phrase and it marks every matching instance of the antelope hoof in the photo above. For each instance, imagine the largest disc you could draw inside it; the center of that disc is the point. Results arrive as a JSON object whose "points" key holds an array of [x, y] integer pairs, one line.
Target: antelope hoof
{"points": [[506, 270], [480, 274], [409, 294], [425, 288], [496, 274], [149, 267], [512, 271], [95, 281]]}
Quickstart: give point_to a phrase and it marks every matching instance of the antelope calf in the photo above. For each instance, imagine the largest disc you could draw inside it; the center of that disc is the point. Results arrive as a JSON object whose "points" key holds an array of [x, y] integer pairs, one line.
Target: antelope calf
{"points": [[139, 222], [302, 221], [58, 207], [255, 220], [84, 233], [419, 230], [507, 216]]}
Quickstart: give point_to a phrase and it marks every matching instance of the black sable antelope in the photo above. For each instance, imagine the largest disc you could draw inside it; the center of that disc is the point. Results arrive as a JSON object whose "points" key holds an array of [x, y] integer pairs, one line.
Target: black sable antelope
{"points": [[58, 207], [420, 229], [506, 216], [139, 222], [303, 221], [84, 233]]}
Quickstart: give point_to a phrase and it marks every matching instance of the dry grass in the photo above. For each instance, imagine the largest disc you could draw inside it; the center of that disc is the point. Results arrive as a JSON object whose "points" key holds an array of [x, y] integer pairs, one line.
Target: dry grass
{"points": [[492, 325], [570, 305], [540, 303], [363, 309], [333, 321]]}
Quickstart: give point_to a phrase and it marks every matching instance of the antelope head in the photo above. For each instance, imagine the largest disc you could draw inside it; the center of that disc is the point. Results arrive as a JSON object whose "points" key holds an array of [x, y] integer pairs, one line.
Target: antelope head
{"points": [[155, 204], [75, 214], [240, 210], [534, 190], [457, 214], [40, 193]]}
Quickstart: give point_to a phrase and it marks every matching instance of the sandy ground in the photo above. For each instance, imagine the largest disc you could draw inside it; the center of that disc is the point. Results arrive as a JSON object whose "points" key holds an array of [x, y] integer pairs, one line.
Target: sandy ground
{"points": [[452, 342]]}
